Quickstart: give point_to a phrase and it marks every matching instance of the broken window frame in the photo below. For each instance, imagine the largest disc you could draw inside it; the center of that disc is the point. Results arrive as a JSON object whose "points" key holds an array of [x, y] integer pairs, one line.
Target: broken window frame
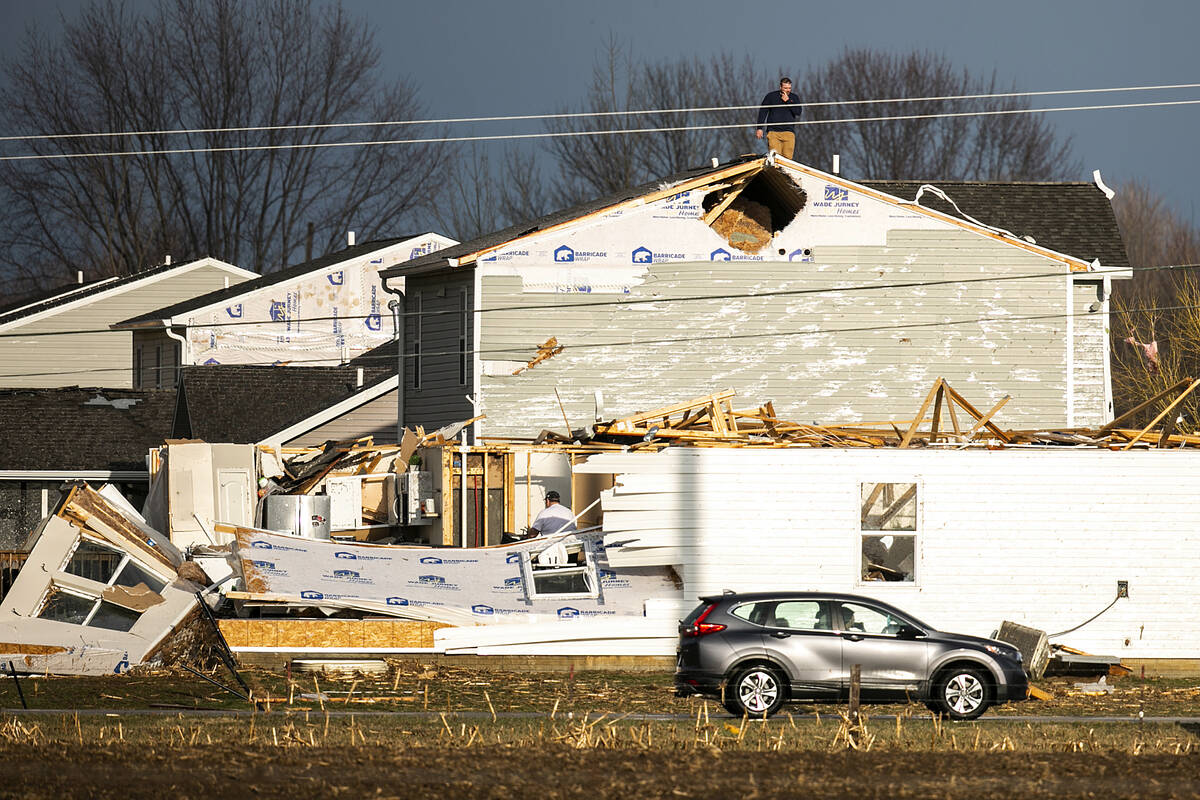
{"points": [[869, 495], [80, 584], [531, 570], [97, 601]]}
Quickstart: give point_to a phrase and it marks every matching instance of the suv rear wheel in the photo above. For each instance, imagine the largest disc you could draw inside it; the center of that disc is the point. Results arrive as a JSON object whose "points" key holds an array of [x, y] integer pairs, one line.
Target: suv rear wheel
{"points": [[755, 691], [961, 693]]}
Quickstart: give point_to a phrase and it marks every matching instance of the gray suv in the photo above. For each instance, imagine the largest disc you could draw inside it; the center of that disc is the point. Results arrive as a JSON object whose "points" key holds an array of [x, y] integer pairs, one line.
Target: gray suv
{"points": [[756, 651]]}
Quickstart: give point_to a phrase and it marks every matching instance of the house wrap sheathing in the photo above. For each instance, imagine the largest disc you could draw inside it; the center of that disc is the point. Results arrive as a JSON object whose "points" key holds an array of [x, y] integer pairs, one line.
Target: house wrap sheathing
{"points": [[1039, 536], [839, 303]]}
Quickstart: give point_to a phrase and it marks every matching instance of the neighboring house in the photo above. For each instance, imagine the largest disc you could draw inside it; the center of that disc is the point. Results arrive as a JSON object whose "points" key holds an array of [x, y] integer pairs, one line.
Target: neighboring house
{"points": [[63, 338], [289, 406], [52, 436], [322, 312], [869, 297]]}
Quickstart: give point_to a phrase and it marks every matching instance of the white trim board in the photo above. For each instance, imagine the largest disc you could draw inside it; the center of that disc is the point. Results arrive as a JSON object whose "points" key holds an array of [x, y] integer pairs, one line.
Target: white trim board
{"points": [[332, 412], [73, 475]]}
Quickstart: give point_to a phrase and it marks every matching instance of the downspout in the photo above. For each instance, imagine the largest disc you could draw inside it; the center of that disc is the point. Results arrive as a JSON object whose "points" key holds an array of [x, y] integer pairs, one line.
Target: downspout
{"points": [[185, 354], [397, 308]]}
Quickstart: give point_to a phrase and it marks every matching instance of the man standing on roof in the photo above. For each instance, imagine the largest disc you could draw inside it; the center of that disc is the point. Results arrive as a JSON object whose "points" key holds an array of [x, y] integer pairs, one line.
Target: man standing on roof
{"points": [[779, 112], [554, 518]]}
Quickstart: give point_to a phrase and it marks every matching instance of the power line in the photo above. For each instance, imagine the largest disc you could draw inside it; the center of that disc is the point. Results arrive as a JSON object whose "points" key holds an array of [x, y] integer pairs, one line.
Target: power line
{"points": [[576, 134], [627, 343], [583, 114], [559, 306]]}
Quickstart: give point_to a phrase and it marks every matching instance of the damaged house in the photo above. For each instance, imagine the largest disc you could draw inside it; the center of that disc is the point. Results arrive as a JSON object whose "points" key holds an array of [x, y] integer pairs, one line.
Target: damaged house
{"points": [[324, 311], [837, 300]]}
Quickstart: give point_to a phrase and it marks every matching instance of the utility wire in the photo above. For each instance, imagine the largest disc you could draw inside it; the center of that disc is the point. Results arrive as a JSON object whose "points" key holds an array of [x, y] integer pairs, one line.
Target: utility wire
{"points": [[630, 342], [570, 306], [577, 134], [583, 114]]}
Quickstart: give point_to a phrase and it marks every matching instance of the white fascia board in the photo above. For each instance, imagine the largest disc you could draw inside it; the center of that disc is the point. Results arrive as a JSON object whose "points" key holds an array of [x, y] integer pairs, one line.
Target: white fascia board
{"points": [[73, 475], [91, 298], [186, 318], [333, 412], [1119, 273]]}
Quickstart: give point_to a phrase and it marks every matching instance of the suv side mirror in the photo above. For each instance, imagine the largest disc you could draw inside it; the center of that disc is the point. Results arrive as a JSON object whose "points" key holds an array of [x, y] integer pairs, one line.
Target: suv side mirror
{"points": [[910, 632]]}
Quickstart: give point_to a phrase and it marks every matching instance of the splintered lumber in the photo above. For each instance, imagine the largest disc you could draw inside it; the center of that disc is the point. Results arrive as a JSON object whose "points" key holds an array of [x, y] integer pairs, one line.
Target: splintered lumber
{"points": [[712, 421], [936, 391], [1131, 413], [1162, 414]]}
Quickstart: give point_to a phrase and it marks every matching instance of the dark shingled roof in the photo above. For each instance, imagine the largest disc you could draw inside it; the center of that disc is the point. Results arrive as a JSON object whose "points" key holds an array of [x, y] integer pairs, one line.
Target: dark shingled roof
{"points": [[76, 428], [269, 279], [244, 404], [1071, 218], [50, 298]]}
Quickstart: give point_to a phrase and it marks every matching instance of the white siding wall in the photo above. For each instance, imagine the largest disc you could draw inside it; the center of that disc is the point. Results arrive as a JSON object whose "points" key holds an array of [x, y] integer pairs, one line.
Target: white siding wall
{"points": [[833, 356], [1039, 537]]}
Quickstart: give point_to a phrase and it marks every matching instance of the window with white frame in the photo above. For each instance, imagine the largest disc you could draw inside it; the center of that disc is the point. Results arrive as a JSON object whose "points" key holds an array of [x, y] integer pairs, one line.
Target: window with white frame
{"points": [[100, 567], [562, 570], [888, 531]]}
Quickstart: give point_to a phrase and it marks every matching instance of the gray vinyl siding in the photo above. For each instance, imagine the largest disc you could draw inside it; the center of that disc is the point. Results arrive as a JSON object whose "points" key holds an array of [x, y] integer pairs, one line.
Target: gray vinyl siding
{"points": [[1090, 341], [832, 357], [103, 357], [442, 396], [376, 418], [158, 364]]}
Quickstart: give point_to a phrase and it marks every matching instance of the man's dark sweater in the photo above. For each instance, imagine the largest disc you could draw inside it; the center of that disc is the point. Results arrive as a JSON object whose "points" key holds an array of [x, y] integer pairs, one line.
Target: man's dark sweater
{"points": [[781, 118]]}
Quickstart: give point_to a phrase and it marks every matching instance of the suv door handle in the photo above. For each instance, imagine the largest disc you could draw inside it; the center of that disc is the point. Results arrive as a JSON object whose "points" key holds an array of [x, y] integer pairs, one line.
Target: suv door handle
{"points": [[855, 637], [780, 634]]}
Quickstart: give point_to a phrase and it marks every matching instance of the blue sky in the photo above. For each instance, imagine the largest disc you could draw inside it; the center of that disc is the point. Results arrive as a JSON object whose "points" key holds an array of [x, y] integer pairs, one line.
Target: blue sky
{"points": [[472, 58]]}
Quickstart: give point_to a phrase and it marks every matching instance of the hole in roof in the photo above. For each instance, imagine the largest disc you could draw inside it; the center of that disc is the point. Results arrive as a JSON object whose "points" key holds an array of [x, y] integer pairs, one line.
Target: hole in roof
{"points": [[751, 212]]}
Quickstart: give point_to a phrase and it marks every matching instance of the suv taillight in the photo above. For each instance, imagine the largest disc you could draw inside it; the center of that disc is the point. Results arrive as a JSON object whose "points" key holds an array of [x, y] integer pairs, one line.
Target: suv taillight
{"points": [[702, 628]]}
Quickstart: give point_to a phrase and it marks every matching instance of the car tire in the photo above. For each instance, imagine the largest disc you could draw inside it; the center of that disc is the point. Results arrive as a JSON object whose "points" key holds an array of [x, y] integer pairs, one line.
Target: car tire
{"points": [[961, 693], [755, 691]]}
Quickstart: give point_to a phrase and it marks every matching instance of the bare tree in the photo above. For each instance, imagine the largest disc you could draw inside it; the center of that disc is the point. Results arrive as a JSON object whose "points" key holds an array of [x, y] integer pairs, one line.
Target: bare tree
{"points": [[245, 196], [995, 147], [591, 165], [992, 146], [1156, 325]]}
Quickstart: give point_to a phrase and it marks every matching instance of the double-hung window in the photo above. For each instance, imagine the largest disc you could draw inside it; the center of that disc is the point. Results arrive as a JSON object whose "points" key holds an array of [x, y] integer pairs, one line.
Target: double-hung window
{"points": [[888, 531]]}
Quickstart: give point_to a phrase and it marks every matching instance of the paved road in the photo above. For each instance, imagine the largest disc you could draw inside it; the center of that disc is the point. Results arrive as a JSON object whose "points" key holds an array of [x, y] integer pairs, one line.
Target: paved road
{"points": [[432, 715]]}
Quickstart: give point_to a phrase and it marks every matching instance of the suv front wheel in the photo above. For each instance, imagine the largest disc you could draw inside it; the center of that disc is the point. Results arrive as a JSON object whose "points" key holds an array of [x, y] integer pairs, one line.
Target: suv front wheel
{"points": [[755, 691], [961, 693]]}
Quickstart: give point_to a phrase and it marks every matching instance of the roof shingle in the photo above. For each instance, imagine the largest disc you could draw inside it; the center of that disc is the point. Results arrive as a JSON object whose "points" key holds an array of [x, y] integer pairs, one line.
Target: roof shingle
{"points": [[77, 428], [243, 404]]}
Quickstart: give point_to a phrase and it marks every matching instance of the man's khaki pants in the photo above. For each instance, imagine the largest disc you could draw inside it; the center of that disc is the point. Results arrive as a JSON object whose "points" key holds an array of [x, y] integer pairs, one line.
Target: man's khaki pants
{"points": [[782, 142]]}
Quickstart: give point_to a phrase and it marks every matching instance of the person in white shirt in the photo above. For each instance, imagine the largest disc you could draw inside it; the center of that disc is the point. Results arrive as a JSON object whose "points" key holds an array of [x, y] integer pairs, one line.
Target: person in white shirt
{"points": [[554, 518]]}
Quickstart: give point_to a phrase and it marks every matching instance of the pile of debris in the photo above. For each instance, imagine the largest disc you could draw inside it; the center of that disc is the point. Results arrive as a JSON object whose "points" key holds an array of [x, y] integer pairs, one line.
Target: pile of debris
{"points": [[712, 421]]}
